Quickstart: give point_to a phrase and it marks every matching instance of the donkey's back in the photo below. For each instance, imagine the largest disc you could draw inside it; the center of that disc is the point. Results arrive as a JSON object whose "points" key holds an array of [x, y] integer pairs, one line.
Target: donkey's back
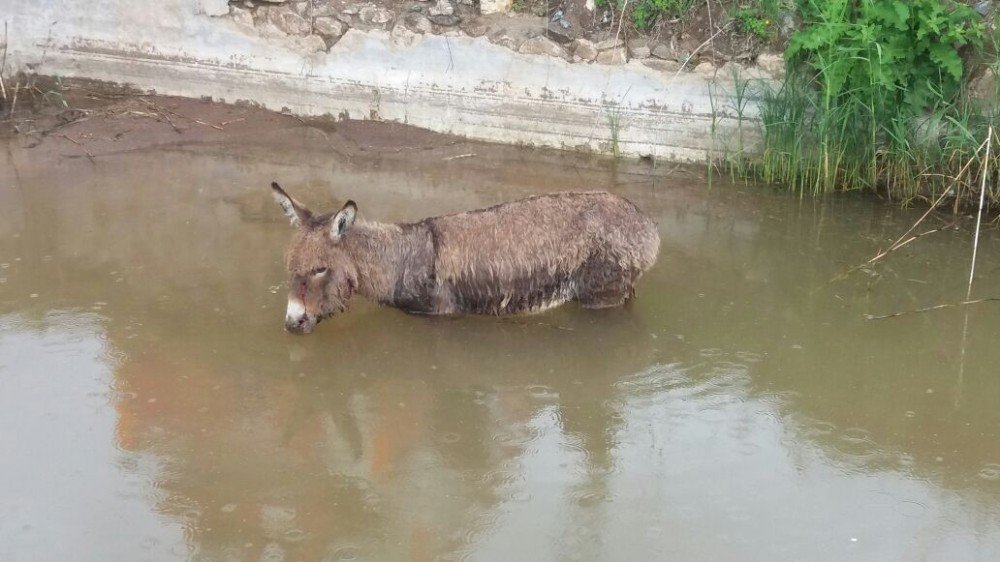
{"points": [[540, 252]]}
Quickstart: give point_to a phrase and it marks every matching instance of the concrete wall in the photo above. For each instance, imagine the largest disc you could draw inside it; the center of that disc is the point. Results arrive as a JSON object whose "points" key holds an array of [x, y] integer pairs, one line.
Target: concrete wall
{"points": [[453, 84]]}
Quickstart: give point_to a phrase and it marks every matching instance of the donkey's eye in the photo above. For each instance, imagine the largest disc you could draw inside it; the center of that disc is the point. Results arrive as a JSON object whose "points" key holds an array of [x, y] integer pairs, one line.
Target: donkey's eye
{"points": [[320, 271]]}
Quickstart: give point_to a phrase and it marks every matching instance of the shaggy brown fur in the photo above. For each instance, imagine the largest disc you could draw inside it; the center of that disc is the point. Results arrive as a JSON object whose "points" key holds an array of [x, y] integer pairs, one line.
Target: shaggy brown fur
{"points": [[516, 257]]}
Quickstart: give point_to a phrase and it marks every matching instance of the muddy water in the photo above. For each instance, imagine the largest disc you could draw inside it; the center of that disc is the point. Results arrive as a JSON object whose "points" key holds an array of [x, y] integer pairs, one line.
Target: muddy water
{"points": [[151, 406]]}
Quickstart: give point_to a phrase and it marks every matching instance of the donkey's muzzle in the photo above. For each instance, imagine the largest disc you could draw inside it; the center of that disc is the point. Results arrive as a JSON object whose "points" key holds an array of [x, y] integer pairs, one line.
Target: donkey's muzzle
{"points": [[297, 321]]}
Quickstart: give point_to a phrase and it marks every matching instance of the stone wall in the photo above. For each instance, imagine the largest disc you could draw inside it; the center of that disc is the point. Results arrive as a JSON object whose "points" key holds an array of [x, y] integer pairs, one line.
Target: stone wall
{"points": [[319, 24], [442, 65]]}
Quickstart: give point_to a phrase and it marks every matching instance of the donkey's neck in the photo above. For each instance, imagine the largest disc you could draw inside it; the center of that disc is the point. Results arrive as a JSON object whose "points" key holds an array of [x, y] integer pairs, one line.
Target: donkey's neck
{"points": [[394, 261]]}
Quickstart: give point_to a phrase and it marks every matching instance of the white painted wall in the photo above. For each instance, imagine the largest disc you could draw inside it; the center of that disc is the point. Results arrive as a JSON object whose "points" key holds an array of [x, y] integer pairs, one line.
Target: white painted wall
{"points": [[453, 84]]}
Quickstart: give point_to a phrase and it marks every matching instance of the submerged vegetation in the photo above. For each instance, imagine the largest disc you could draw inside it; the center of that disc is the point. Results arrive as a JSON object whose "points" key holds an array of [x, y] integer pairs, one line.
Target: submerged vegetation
{"points": [[877, 97]]}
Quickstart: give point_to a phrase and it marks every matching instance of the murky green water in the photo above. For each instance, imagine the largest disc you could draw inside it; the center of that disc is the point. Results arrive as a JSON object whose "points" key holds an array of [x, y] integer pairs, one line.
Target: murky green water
{"points": [[152, 407]]}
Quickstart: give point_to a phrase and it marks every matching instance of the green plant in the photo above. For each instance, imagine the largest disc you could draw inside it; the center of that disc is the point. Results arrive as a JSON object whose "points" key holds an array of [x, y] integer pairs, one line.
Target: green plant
{"points": [[731, 151], [876, 99], [645, 13], [752, 20], [739, 100], [907, 51]]}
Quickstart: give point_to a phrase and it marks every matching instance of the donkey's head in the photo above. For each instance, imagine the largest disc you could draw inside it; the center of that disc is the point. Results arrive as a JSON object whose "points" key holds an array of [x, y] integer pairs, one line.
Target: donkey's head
{"points": [[322, 276]]}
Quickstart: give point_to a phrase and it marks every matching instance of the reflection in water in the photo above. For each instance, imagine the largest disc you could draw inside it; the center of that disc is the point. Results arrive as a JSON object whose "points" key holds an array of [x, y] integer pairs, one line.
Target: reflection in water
{"points": [[740, 408], [66, 488]]}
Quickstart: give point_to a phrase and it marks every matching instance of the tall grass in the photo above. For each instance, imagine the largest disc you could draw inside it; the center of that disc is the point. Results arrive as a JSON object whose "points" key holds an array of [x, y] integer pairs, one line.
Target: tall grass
{"points": [[876, 99], [814, 147], [729, 106]]}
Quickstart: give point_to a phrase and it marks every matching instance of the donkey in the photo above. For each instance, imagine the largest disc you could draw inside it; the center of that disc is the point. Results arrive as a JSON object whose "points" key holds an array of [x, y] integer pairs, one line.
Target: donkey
{"points": [[518, 257]]}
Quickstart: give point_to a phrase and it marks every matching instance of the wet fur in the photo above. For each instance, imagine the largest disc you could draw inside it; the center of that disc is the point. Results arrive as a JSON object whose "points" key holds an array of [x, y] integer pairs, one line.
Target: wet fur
{"points": [[516, 257]]}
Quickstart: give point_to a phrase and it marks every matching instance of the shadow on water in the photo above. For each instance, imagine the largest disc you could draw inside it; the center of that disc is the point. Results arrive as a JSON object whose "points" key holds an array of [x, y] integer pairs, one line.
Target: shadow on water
{"points": [[741, 404]]}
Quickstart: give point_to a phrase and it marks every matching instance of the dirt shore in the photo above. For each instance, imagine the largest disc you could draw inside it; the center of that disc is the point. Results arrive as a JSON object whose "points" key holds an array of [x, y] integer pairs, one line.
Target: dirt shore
{"points": [[92, 120], [89, 120]]}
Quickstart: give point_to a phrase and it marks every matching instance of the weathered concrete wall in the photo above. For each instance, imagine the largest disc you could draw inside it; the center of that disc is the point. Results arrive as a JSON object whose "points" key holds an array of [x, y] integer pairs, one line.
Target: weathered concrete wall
{"points": [[454, 84]]}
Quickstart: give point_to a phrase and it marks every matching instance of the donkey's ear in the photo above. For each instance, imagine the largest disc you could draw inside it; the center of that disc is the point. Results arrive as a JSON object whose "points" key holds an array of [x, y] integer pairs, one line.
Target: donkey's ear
{"points": [[292, 208], [343, 219]]}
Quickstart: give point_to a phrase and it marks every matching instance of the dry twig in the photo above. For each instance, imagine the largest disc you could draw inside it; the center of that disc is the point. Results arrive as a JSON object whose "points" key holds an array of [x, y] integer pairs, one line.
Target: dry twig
{"points": [[3, 62], [171, 122], [621, 20], [688, 58], [13, 103], [930, 308], [83, 148], [988, 143], [903, 240], [979, 215], [163, 111]]}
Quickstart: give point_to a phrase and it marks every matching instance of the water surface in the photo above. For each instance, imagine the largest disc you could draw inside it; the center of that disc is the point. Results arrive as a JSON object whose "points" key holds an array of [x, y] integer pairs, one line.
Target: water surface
{"points": [[742, 408]]}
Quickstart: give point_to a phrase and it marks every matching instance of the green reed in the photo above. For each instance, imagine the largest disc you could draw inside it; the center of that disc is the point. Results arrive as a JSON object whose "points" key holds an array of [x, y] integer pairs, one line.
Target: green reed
{"points": [[866, 108]]}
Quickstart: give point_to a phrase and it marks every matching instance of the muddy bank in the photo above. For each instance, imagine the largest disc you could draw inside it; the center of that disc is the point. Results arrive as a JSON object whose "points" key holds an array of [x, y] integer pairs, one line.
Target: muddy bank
{"points": [[86, 119], [448, 82]]}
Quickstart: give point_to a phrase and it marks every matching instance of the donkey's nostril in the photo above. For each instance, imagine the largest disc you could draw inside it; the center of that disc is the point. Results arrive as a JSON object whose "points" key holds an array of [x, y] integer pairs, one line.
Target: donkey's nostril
{"points": [[298, 324]]}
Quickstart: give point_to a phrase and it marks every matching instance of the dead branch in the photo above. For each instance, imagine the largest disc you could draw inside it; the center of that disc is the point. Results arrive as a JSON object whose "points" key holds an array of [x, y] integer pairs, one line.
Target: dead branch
{"points": [[163, 110], [171, 122], [903, 240], [930, 308], [13, 103], [83, 148], [3, 62], [688, 58], [898, 244], [979, 215]]}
